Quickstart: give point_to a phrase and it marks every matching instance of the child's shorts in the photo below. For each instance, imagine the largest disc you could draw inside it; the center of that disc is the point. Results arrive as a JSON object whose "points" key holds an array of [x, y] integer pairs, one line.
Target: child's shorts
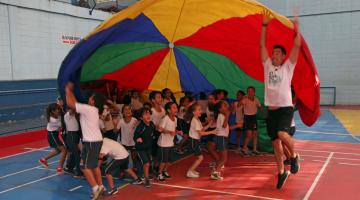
{"points": [[164, 154], [54, 140], [250, 122], [116, 166], [90, 155], [144, 156], [194, 146]]}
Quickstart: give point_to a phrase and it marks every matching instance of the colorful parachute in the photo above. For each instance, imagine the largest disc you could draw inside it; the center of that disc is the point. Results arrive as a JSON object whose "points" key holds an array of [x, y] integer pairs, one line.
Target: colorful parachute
{"points": [[189, 45]]}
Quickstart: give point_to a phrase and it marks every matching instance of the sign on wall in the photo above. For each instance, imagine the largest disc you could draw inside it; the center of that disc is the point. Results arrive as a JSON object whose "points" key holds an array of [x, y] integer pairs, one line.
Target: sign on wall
{"points": [[69, 39]]}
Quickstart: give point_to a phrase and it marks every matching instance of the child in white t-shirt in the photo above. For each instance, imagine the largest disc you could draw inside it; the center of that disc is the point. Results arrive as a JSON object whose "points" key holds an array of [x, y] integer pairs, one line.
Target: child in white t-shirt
{"points": [[195, 133], [167, 128], [238, 110]]}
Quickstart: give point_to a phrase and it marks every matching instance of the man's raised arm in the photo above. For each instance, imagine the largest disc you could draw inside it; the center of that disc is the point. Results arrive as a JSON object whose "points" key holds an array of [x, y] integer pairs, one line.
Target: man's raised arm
{"points": [[263, 50], [70, 98], [294, 54]]}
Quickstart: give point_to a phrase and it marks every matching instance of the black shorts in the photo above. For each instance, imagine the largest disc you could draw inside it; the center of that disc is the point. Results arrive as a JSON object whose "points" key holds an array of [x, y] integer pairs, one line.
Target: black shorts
{"points": [[279, 120], [208, 138], [250, 122], [144, 156], [194, 146], [292, 131], [129, 148], [164, 154], [221, 142], [116, 166], [90, 155], [54, 140], [111, 135]]}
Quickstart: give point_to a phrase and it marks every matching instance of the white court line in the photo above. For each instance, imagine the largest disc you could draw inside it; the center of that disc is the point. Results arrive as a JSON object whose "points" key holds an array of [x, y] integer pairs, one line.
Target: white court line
{"points": [[357, 154], [25, 152], [334, 158], [29, 183], [326, 133], [319, 160], [25, 170], [215, 191], [36, 149], [75, 188], [349, 164], [313, 185]]}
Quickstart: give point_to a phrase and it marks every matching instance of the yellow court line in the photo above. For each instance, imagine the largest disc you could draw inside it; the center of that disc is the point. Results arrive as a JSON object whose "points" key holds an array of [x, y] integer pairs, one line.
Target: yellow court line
{"points": [[349, 118]]}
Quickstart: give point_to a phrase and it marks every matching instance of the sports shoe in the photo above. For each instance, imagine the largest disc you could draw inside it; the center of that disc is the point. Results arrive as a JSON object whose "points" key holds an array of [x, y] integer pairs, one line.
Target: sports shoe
{"points": [[69, 171], [216, 176], [166, 175], [138, 182], [161, 177], [113, 191], [44, 163], [282, 179], [192, 174], [256, 153], [287, 162], [295, 165], [196, 172], [179, 151], [98, 193], [147, 183], [59, 170], [245, 153]]}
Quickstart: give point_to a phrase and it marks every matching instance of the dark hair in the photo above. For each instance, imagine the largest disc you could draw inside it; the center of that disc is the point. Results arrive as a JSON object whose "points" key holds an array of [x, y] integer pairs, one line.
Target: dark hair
{"points": [[123, 108], [217, 108], [153, 94], [189, 113], [144, 110], [218, 91], [202, 96], [147, 104], [251, 87], [240, 92], [168, 106], [281, 47], [100, 101], [182, 99], [50, 109]]}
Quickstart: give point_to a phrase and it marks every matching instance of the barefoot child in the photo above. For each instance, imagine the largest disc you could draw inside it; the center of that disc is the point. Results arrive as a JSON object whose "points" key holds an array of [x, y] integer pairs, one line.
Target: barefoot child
{"points": [[167, 128], [143, 137], [119, 163], [195, 133], [53, 126]]}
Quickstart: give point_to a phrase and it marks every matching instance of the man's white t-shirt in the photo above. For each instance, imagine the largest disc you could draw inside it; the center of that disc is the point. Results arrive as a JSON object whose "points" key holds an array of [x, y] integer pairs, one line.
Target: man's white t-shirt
{"points": [[250, 106], [127, 131], [113, 149], [156, 116], [220, 130], [278, 83], [89, 121], [71, 122], [167, 140], [195, 126]]}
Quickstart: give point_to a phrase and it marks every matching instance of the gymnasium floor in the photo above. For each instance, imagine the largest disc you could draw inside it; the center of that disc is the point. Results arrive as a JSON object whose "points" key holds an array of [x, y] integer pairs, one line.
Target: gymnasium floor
{"points": [[330, 169]]}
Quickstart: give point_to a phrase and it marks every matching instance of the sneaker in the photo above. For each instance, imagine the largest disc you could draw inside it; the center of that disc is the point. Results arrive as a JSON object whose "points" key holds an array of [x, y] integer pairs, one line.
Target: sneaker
{"points": [[59, 170], [113, 191], [245, 153], [256, 153], [282, 179], [166, 175], [287, 162], [161, 177], [192, 174], [98, 193], [138, 182], [78, 174], [216, 176], [147, 183], [196, 172], [69, 171], [151, 178], [44, 163], [295, 165], [103, 188], [179, 151]]}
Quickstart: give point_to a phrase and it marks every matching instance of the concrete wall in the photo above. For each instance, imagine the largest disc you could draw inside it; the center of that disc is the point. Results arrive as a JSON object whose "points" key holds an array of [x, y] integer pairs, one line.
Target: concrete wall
{"points": [[332, 30], [31, 44]]}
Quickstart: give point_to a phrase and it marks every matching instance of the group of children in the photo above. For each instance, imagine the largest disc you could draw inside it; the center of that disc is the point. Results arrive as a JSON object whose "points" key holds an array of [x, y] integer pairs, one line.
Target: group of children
{"points": [[150, 139]]}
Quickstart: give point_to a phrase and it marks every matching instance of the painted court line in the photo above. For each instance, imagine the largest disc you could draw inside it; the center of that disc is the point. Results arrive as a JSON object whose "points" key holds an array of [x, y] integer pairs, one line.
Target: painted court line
{"points": [[75, 188], [313, 185], [353, 164], [215, 191], [326, 133], [29, 183], [345, 153], [25, 152], [36, 149], [25, 170]]}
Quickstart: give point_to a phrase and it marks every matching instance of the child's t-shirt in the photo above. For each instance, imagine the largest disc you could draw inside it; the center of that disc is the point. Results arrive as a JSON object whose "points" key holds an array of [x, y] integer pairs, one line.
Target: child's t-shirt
{"points": [[239, 112], [127, 131], [71, 122], [54, 124], [195, 126], [156, 116], [113, 149], [89, 121], [250, 106], [167, 140], [220, 130]]}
